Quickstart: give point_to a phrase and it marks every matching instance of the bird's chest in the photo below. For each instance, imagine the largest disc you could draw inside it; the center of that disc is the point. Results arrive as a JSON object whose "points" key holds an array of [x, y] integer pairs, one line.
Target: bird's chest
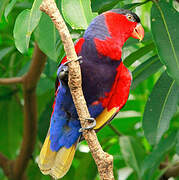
{"points": [[97, 79], [98, 72]]}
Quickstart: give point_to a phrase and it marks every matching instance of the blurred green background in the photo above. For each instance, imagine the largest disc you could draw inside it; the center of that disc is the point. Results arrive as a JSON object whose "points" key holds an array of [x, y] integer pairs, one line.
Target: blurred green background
{"points": [[145, 132]]}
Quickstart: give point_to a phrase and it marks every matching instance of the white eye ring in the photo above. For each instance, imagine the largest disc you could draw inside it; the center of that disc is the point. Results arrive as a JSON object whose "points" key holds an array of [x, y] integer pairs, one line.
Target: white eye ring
{"points": [[130, 17]]}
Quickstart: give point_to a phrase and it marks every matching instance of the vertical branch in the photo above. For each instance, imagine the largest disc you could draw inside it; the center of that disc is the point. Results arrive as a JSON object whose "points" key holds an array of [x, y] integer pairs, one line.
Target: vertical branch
{"points": [[103, 160], [30, 112], [15, 169]]}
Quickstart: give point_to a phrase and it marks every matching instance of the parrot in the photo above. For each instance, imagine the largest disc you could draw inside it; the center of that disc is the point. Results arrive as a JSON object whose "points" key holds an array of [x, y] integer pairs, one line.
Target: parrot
{"points": [[105, 83]]}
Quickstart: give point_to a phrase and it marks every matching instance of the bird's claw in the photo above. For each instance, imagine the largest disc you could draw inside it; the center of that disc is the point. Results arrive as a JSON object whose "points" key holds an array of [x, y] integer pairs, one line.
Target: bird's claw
{"points": [[78, 59], [63, 74], [90, 120]]}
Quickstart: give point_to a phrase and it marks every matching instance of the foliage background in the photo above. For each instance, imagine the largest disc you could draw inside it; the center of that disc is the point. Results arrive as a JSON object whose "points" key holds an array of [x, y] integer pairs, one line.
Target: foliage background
{"points": [[145, 132]]}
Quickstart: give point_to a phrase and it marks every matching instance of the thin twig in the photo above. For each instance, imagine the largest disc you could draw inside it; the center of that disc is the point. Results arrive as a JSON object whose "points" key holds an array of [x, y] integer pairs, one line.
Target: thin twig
{"points": [[103, 160], [115, 129], [8, 81]]}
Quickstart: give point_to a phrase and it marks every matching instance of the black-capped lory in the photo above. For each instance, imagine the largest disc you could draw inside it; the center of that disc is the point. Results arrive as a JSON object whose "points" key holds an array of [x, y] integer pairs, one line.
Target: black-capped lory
{"points": [[105, 82]]}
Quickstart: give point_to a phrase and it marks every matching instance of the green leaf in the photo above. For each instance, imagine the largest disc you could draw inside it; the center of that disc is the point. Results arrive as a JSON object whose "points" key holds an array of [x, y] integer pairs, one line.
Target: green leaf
{"points": [[77, 13], [132, 6], [45, 35], [34, 17], [126, 124], [101, 5], [44, 85], [50, 68], [25, 24], [105, 133], [24, 69], [88, 169], [133, 153], [10, 126], [44, 121], [9, 8], [152, 161], [160, 108], [33, 172], [5, 51], [146, 69], [165, 33], [177, 145], [24, 5], [138, 54], [2, 7], [20, 31]]}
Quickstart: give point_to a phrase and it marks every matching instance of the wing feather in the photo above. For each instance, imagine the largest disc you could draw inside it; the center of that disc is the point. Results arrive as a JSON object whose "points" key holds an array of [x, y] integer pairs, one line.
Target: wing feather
{"points": [[116, 98]]}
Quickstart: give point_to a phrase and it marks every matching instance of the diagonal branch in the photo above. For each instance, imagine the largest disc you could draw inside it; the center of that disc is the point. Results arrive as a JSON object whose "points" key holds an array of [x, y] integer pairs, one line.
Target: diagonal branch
{"points": [[171, 170], [116, 131], [103, 160], [6, 165], [3, 160]]}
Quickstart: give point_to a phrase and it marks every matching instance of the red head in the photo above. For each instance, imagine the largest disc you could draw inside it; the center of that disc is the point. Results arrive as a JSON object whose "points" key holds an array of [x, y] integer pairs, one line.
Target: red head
{"points": [[121, 25]]}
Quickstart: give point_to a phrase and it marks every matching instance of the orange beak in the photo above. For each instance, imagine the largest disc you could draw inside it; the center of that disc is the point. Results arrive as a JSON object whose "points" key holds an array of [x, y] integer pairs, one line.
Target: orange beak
{"points": [[138, 32]]}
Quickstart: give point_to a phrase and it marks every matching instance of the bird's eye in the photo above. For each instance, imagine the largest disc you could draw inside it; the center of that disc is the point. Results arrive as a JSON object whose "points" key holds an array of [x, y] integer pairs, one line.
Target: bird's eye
{"points": [[130, 17]]}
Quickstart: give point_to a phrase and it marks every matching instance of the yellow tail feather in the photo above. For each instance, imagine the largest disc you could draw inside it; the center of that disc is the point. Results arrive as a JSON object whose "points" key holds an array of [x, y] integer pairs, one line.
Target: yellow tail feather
{"points": [[55, 164], [58, 163], [104, 117]]}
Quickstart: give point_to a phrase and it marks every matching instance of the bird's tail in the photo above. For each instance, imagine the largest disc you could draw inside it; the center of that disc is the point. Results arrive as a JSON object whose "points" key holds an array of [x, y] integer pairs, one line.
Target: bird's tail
{"points": [[54, 163]]}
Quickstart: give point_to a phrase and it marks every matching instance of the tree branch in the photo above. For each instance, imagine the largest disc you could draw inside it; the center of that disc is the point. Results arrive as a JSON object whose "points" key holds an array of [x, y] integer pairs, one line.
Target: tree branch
{"points": [[103, 160], [172, 171], [8, 81], [6, 165], [30, 80]]}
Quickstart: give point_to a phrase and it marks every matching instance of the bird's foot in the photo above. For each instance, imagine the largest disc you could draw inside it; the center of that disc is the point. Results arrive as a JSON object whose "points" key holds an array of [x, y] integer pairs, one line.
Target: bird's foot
{"points": [[93, 124], [78, 59], [63, 73]]}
